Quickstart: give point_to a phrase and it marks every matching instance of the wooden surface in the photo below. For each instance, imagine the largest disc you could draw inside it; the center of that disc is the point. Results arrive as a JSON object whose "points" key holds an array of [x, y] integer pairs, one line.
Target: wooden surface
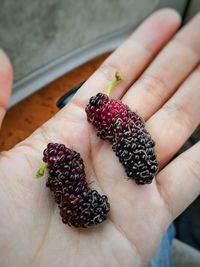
{"points": [[29, 114]]}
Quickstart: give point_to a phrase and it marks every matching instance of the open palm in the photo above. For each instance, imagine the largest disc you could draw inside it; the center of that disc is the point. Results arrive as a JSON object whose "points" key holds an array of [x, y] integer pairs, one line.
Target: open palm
{"points": [[167, 95]]}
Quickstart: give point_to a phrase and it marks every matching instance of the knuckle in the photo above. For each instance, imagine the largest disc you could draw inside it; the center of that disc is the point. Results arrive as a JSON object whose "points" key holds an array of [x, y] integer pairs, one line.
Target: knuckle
{"points": [[193, 166], [108, 70], [154, 86]]}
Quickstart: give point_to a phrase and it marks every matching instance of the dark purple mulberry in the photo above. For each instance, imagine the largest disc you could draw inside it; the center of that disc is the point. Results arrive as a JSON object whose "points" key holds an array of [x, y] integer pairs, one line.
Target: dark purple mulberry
{"points": [[125, 130], [79, 205]]}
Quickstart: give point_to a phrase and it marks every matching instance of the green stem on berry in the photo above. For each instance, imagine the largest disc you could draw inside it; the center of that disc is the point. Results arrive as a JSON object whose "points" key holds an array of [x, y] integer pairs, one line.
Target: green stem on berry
{"points": [[41, 171], [117, 79]]}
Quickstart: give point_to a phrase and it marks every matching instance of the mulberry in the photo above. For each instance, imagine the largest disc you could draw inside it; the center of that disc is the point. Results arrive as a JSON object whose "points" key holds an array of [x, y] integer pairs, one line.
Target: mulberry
{"points": [[79, 205], [126, 132]]}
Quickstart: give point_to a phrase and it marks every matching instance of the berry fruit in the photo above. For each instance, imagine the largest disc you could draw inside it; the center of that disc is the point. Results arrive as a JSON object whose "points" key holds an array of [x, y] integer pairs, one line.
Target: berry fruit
{"points": [[125, 130], [79, 205]]}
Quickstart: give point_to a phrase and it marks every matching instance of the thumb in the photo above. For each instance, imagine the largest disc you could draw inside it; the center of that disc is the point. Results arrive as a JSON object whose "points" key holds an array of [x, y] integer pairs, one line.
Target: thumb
{"points": [[6, 79]]}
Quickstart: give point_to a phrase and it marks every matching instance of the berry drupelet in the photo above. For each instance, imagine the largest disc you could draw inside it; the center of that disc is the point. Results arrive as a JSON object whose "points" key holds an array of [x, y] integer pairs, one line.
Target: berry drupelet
{"points": [[79, 205], [125, 130]]}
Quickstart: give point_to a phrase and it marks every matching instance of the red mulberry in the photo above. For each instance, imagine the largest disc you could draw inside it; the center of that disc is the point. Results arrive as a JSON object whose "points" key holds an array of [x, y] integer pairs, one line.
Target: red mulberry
{"points": [[79, 205], [125, 130]]}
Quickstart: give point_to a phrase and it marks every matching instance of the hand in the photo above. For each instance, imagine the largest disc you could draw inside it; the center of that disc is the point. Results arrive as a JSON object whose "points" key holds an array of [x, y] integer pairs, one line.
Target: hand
{"points": [[163, 87]]}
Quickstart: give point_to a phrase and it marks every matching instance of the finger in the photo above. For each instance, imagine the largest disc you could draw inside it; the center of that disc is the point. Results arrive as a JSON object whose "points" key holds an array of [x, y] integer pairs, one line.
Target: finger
{"points": [[179, 182], [160, 80], [133, 56], [6, 77], [172, 125]]}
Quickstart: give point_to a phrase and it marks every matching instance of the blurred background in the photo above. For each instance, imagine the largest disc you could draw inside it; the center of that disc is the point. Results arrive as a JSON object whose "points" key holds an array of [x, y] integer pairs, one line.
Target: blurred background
{"points": [[50, 42], [45, 39]]}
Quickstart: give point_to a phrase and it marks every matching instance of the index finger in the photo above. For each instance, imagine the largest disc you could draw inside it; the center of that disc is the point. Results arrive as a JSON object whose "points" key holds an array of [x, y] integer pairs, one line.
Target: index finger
{"points": [[133, 56]]}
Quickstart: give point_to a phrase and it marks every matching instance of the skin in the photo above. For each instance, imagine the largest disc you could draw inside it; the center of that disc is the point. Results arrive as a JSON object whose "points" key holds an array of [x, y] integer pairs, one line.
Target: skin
{"points": [[162, 84]]}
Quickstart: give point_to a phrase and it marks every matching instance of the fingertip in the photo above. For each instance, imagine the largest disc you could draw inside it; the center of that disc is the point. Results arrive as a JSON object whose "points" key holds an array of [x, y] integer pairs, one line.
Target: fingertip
{"points": [[189, 35], [158, 28], [6, 68], [169, 14], [6, 78]]}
